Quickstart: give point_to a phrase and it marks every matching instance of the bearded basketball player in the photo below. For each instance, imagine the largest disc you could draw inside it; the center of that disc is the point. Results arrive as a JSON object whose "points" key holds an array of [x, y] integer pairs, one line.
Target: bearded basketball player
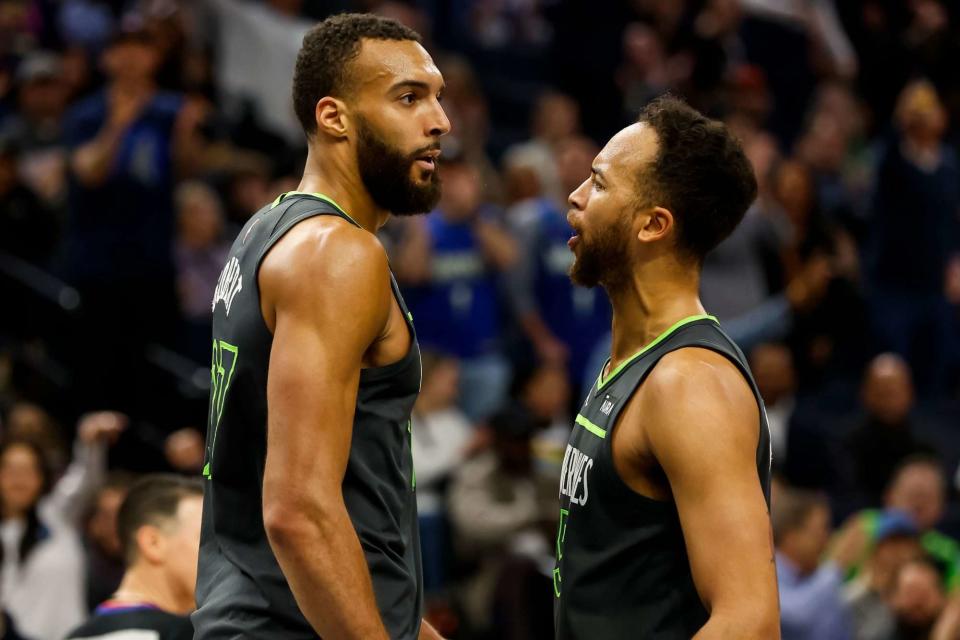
{"points": [[664, 494], [309, 518]]}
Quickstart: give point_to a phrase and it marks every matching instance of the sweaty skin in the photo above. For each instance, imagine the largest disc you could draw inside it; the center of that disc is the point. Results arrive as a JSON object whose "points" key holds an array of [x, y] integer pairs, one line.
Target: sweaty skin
{"points": [[690, 433], [326, 297]]}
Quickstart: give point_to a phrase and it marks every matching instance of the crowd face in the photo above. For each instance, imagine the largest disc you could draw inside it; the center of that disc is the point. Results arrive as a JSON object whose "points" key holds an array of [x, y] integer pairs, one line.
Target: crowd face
{"points": [[772, 367], [919, 490], [21, 479], [888, 556], [809, 541], [102, 527], [462, 192], [443, 384], [918, 596], [131, 61], [888, 390]]}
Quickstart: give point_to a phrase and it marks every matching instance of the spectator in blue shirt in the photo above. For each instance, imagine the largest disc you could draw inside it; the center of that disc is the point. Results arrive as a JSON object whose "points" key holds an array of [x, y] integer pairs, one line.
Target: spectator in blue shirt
{"points": [[449, 265], [562, 321], [811, 603], [127, 144]]}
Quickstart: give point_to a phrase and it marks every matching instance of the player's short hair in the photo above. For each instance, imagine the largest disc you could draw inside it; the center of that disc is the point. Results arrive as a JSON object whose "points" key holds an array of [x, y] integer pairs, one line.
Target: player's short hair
{"points": [[323, 63], [700, 174], [790, 510], [152, 500]]}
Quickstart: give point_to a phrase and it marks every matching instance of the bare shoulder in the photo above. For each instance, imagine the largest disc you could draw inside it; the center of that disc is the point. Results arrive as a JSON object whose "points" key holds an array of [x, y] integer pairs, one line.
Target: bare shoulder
{"points": [[324, 250], [326, 247], [325, 265], [694, 396]]}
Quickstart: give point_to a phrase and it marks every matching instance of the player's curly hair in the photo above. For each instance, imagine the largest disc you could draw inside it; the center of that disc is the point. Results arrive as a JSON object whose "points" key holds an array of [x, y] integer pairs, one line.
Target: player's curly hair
{"points": [[324, 59], [700, 174]]}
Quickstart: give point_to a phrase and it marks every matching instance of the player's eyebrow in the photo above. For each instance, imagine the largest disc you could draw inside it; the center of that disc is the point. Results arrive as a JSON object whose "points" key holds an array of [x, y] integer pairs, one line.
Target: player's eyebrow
{"points": [[597, 172], [413, 84]]}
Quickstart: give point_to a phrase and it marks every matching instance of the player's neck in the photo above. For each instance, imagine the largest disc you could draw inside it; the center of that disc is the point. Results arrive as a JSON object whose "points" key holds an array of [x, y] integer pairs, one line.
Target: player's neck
{"points": [[332, 175], [145, 584], [648, 303]]}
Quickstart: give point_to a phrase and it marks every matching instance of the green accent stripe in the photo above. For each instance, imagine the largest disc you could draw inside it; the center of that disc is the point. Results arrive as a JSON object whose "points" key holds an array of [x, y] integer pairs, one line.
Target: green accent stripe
{"points": [[601, 383], [589, 426], [323, 197]]}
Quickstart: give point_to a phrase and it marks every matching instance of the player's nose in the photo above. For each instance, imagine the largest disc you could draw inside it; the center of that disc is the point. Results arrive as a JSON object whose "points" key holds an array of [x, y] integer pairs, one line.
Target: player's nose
{"points": [[439, 123], [578, 197]]}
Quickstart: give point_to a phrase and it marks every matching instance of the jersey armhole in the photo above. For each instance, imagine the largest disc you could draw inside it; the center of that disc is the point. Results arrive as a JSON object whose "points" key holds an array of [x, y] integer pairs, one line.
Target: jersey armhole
{"points": [[615, 414], [280, 229]]}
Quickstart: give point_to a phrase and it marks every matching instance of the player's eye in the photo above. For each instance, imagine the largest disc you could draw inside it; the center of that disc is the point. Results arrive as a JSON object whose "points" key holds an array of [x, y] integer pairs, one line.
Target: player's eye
{"points": [[597, 185], [408, 98]]}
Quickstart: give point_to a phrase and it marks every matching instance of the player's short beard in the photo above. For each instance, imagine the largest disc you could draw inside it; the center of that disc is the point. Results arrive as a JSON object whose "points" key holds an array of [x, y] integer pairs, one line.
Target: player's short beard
{"points": [[387, 174], [603, 258]]}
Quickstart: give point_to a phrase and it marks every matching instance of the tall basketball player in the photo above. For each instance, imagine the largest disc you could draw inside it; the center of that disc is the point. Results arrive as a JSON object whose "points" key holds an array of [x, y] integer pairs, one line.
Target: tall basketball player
{"points": [[664, 494], [310, 523]]}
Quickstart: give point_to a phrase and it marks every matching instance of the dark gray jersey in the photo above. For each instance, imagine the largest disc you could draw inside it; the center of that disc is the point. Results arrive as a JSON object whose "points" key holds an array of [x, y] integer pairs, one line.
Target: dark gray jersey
{"points": [[241, 592], [622, 569]]}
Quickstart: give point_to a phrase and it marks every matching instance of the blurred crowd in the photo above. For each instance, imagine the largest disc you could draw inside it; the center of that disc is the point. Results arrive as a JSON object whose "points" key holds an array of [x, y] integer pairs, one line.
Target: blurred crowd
{"points": [[137, 136]]}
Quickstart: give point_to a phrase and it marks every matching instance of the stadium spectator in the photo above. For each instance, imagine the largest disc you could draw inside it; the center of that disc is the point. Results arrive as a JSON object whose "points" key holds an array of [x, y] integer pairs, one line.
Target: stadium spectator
{"points": [[450, 263], [103, 547], [887, 435], [494, 504], [918, 488], [866, 597], [37, 126], [811, 607], [916, 172], [562, 321], [441, 438], [918, 598], [772, 366], [42, 571]]}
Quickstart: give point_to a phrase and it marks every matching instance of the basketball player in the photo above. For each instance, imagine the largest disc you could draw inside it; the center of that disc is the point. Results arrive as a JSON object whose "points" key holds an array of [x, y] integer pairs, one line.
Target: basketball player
{"points": [[664, 521], [310, 523]]}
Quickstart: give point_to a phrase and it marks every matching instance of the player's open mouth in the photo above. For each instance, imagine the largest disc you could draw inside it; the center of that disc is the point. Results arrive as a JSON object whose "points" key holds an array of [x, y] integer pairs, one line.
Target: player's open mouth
{"points": [[428, 161], [572, 242]]}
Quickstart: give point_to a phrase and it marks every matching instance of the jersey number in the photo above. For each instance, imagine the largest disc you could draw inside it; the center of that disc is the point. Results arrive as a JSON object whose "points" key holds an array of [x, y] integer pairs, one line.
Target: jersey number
{"points": [[221, 375], [561, 533]]}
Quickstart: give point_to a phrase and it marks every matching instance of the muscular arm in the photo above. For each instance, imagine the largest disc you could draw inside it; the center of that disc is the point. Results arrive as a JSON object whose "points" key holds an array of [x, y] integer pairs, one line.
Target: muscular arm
{"points": [[701, 421], [311, 282]]}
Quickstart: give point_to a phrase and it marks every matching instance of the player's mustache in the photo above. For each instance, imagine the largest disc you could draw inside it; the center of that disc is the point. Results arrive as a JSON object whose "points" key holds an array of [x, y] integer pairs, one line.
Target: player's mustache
{"points": [[424, 150]]}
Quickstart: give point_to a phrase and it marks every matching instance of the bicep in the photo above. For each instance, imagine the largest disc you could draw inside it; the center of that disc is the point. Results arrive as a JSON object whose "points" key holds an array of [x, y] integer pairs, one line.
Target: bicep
{"points": [[705, 439], [311, 390]]}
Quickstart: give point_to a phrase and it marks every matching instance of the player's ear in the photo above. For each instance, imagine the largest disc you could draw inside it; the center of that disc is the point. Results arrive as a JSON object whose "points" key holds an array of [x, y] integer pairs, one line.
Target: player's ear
{"points": [[655, 224], [331, 115]]}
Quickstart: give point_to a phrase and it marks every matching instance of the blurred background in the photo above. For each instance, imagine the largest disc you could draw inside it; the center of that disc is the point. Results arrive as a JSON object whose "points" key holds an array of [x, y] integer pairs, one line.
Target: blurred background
{"points": [[137, 136]]}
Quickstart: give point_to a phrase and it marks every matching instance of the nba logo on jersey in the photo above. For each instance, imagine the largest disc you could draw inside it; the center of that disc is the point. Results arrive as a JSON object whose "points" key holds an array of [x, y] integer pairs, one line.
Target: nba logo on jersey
{"points": [[607, 405]]}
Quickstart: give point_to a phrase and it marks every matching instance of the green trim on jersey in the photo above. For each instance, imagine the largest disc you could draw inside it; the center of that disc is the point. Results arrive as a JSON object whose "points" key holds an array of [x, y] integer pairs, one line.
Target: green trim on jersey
{"points": [[601, 383], [589, 426], [323, 197]]}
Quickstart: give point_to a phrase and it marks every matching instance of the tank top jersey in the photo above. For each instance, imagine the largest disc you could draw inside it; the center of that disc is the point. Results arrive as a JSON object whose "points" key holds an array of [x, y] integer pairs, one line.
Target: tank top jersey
{"points": [[241, 591], [622, 569]]}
